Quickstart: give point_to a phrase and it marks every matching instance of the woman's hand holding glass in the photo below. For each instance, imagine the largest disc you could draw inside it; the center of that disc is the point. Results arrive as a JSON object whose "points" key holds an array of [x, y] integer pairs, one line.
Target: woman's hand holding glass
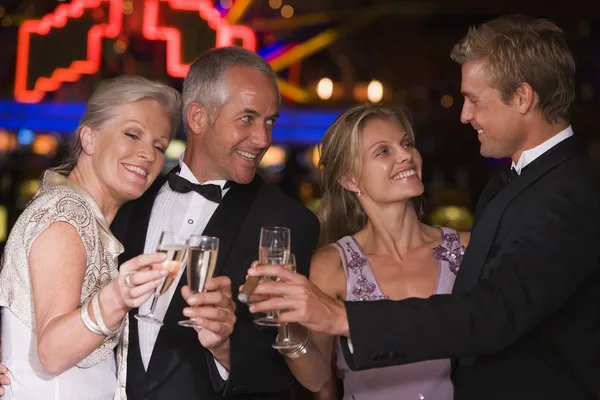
{"points": [[274, 248], [296, 299], [284, 339], [175, 247], [138, 280]]}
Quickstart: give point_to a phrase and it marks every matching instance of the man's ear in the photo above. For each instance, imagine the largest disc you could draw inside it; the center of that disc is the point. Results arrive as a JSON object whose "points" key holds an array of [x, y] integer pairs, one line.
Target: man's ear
{"points": [[348, 182], [88, 140], [525, 98], [197, 118]]}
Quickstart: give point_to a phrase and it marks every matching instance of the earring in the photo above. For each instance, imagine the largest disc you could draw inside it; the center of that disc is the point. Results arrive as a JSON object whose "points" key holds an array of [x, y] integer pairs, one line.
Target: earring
{"points": [[358, 192]]}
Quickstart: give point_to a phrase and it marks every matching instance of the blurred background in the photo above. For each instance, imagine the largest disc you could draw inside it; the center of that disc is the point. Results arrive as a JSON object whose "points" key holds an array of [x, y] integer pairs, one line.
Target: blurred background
{"points": [[328, 54]]}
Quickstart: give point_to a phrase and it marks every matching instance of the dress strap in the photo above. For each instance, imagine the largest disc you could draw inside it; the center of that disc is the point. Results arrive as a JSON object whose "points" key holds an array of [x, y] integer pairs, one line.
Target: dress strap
{"points": [[360, 280], [451, 250]]}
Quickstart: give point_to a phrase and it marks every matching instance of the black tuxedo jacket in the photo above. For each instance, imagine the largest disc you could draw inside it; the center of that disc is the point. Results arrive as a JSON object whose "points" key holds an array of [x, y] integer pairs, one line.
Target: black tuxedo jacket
{"points": [[180, 368], [523, 321]]}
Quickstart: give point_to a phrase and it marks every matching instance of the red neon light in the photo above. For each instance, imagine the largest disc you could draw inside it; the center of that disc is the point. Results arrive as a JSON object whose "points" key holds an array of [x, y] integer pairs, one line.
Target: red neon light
{"points": [[58, 19], [226, 33]]}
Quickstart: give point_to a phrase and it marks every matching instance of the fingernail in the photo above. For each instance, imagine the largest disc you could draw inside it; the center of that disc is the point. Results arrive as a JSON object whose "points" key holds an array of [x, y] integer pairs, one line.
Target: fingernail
{"points": [[158, 282], [198, 321], [163, 272], [192, 301], [252, 308], [187, 312]]}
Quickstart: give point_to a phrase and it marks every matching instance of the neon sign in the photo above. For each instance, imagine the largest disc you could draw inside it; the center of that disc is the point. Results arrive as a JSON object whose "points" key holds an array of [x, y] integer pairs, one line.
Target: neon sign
{"points": [[55, 20], [226, 35]]}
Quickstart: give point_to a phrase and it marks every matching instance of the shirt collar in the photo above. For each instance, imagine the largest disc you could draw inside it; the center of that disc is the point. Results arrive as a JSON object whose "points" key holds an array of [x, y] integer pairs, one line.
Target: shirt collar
{"points": [[528, 156], [186, 173]]}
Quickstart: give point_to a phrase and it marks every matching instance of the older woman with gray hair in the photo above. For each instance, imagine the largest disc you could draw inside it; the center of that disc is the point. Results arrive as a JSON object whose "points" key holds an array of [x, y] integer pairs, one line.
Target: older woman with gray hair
{"points": [[64, 300]]}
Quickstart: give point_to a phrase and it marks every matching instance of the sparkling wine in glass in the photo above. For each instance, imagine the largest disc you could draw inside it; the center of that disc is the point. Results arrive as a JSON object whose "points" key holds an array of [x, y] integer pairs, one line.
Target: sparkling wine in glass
{"points": [[284, 340], [175, 247], [274, 249], [202, 260]]}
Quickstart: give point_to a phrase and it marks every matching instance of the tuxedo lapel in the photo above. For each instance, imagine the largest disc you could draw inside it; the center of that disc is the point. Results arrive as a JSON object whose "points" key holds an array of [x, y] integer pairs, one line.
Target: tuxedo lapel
{"points": [[487, 195], [227, 219], [484, 232], [173, 341]]}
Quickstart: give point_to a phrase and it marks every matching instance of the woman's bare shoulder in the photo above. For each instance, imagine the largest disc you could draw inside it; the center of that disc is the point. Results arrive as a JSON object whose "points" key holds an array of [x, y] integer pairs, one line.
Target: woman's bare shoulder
{"points": [[326, 270], [326, 254], [465, 237]]}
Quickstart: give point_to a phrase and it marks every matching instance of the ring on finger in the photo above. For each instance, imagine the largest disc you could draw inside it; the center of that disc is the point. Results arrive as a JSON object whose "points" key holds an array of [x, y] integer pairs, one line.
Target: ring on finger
{"points": [[127, 280]]}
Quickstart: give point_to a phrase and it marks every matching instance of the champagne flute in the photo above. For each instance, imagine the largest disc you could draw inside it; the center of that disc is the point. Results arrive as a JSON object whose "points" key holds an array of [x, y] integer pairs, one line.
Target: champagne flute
{"points": [[274, 249], [202, 260], [284, 341], [175, 246]]}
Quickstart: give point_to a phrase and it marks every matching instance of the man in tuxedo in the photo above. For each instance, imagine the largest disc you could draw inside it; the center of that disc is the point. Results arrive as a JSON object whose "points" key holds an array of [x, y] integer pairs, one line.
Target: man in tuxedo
{"points": [[231, 102], [523, 319]]}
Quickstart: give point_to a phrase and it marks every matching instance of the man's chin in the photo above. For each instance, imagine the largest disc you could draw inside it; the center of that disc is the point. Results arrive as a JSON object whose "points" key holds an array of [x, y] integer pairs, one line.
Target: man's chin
{"points": [[493, 154], [487, 153], [245, 177], [244, 181]]}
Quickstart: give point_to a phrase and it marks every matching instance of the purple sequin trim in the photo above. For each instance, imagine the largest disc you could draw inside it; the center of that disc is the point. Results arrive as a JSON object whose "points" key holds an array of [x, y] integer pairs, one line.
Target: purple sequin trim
{"points": [[363, 290], [455, 256], [356, 262]]}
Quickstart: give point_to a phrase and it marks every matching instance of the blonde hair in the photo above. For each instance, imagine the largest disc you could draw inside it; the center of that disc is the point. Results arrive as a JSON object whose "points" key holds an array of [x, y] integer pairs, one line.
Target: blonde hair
{"points": [[519, 49], [339, 211], [106, 99]]}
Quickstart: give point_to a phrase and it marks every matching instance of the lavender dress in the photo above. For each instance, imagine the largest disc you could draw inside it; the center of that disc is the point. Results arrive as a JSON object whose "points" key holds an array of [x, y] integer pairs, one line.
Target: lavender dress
{"points": [[422, 380]]}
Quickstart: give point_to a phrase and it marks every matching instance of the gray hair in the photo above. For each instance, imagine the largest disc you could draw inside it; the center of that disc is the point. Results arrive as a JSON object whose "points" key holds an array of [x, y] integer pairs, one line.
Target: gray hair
{"points": [[106, 99], [206, 81]]}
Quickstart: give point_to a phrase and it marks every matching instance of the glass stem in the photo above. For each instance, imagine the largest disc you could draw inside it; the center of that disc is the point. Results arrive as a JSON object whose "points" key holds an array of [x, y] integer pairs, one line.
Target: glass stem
{"points": [[286, 333], [153, 305]]}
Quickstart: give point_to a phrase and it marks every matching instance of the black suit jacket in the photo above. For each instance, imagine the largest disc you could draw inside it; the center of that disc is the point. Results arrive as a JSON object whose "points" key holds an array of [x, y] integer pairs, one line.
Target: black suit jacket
{"points": [[180, 368], [523, 321]]}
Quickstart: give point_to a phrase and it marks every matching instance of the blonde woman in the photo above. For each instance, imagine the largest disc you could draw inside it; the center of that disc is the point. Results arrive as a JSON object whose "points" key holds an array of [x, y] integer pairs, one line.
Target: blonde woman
{"points": [[64, 299], [378, 249]]}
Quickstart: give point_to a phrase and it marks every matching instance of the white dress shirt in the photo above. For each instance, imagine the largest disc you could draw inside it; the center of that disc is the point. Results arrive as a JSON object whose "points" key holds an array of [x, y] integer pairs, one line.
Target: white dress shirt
{"points": [[528, 156], [185, 214]]}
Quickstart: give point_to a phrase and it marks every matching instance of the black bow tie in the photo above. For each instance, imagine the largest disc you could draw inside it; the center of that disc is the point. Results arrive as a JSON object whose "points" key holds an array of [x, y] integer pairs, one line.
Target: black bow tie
{"points": [[211, 192]]}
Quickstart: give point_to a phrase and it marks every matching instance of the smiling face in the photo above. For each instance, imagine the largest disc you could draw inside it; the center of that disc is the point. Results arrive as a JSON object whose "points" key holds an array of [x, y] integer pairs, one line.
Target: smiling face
{"points": [[233, 145], [129, 149], [499, 125], [391, 165]]}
